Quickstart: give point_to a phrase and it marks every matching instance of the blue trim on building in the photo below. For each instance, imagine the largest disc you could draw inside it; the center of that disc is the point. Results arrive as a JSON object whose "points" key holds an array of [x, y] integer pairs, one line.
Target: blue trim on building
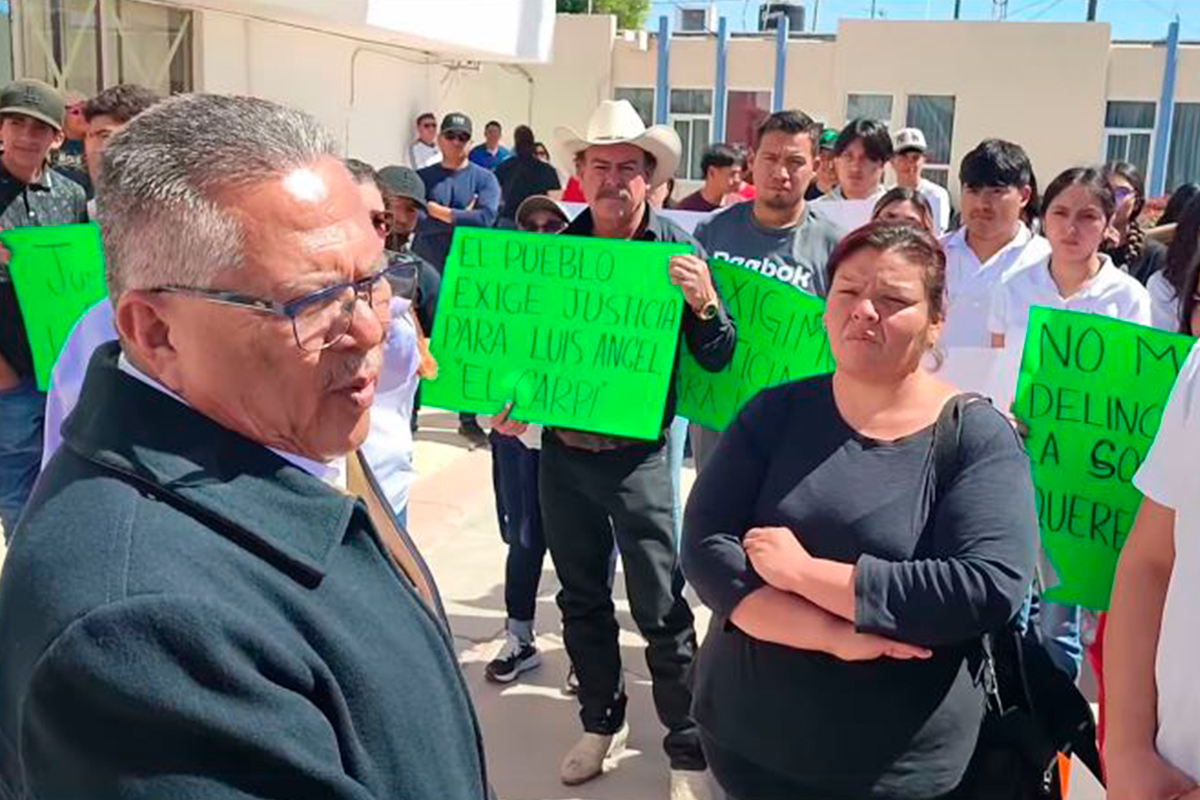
{"points": [[1166, 113], [662, 87], [717, 132], [781, 47]]}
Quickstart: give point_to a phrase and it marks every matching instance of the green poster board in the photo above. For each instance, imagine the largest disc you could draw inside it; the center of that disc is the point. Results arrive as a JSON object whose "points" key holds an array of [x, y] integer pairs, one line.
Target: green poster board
{"points": [[577, 332], [779, 339], [1092, 392], [58, 274]]}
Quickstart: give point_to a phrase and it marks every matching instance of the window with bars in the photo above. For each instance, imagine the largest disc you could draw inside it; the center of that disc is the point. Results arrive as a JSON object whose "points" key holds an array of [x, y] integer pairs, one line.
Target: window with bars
{"points": [[86, 45], [869, 106], [934, 115], [642, 99], [1129, 133], [691, 116], [1183, 164]]}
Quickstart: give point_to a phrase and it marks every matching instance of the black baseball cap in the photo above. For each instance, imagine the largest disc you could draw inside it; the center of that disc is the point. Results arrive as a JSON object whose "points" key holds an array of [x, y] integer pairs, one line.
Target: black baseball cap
{"points": [[404, 182], [32, 98], [456, 122]]}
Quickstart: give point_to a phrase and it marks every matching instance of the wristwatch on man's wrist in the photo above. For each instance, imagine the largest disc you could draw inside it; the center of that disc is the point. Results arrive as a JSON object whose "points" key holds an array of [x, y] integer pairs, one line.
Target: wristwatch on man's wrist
{"points": [[707, 311]]}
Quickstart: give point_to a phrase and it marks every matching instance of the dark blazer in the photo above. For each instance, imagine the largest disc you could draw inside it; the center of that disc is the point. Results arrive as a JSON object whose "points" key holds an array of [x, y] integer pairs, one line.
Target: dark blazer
{"points": [[184, 614]]}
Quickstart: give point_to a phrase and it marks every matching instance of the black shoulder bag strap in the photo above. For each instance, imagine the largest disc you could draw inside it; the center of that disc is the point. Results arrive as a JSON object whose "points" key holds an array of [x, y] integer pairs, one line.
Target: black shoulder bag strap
{"points": [[1037, 703]]}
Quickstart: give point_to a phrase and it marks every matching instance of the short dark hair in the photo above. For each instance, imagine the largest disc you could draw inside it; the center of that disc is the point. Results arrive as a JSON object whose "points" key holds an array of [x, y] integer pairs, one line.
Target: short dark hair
{"points": [[524, 141], [492, 122], [793, 123], [876, 141], [1090, 178], [1123, 169], [428, 115], [122, 102], [717, 157], [996, 163], [917, 245]]}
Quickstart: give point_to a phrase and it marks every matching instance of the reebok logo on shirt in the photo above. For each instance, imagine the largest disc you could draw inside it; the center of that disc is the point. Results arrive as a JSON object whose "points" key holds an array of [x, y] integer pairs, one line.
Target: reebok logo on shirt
{"points": [[798, 275]]}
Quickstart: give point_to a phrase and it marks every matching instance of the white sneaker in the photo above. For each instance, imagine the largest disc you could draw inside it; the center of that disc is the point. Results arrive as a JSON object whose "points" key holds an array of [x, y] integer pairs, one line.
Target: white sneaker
{"points": [[688, 784], [590, 755]]}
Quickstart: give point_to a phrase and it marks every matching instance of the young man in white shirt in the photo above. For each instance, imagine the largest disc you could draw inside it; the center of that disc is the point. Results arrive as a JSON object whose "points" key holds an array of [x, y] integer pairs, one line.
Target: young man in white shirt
{"points": [[997, 181], [425, 151], [908, 162], [863, 149], [1151, 649]]}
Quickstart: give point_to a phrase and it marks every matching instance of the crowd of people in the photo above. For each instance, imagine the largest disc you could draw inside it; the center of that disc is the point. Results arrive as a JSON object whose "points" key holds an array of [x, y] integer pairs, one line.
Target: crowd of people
{"points": [[210, 589]]}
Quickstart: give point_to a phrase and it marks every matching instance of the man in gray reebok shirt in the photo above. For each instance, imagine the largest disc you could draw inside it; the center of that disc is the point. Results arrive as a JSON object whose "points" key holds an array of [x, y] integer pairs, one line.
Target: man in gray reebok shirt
{"points": [[778, 234]]}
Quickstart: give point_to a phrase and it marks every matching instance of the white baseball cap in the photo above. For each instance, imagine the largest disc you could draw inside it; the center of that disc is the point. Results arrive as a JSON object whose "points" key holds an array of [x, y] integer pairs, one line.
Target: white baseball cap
{"points": [[909, 139]]}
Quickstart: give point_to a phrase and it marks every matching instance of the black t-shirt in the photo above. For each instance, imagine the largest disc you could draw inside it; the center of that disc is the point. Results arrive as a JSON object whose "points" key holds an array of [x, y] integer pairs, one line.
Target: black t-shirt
{"points": [[523, 177], [934, 575]]}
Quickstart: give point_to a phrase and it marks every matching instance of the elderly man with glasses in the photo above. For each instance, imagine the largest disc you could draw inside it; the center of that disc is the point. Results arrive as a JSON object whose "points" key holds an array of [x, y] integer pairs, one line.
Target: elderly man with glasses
{"points": [[207, 595]]}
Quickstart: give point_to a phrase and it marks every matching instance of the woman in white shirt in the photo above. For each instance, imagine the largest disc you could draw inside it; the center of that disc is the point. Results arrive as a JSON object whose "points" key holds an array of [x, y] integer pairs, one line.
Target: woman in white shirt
{"points": [[1078, 207], [1178, 279]]}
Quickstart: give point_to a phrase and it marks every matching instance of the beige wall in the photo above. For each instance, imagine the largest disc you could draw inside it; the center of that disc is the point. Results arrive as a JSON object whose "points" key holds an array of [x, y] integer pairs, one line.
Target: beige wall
{"points": [[366, 95], [809, 81], [1135, 72], [1041, 84], [1187, 77], [563, 92]]}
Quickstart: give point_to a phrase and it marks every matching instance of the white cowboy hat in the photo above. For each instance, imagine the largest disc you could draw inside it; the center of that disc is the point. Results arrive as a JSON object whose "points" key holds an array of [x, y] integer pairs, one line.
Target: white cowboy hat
{"points": [[616, 122]]}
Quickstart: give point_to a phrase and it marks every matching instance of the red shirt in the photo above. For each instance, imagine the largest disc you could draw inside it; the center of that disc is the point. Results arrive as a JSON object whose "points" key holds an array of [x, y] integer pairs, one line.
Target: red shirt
{"points": [[574, 192]]}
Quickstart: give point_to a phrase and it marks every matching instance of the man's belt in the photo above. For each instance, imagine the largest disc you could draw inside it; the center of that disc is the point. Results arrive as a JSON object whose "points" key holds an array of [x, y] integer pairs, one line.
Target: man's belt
{"points": [[597, 442]]}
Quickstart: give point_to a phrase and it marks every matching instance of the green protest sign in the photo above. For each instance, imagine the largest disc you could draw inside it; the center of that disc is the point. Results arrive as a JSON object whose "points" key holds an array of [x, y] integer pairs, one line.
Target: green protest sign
{"points": [[577, 332], [58, 274], [779, 339], [1092, 392]]}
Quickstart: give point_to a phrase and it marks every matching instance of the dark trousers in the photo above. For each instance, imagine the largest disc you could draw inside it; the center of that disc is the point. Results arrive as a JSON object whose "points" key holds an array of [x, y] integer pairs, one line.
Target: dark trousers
{"points": [[515, 480], [588, 499]]}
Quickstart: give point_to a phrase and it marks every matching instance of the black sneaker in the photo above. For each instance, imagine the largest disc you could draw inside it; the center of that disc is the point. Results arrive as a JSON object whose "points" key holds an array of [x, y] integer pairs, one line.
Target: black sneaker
{"points": [[514, 658], [469, 429]]}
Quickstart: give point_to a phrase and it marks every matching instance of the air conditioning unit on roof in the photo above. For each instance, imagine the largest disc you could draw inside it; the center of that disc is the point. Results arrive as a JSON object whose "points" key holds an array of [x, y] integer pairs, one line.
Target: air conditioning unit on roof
{"points": [[696, 19]]}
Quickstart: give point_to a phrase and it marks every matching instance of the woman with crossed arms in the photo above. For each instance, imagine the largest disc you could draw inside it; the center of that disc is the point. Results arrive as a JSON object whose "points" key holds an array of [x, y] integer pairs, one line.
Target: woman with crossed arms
{"points": [[848, 597]]}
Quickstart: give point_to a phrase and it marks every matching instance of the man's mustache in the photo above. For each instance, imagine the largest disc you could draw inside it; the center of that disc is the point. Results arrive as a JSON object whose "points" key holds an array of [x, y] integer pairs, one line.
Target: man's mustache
{"points": [[349, 370]]}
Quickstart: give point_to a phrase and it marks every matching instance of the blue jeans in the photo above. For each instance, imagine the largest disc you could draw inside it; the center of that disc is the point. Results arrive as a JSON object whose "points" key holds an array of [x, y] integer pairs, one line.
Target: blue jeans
{"points": [[1057, 626], [22, 415], [676, 442]]}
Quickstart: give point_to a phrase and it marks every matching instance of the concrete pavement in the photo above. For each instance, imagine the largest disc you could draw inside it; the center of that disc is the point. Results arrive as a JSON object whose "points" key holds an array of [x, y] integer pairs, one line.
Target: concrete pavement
{"points": [[529, 725]]}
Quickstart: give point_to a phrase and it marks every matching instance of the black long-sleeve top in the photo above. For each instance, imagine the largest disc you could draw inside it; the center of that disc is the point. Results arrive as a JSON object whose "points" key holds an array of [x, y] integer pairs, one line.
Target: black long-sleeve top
{"points": [[938, 574]]}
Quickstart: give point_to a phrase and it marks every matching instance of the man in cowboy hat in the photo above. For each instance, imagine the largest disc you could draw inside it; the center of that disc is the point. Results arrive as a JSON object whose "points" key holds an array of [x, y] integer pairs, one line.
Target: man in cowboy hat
{"points": [[596, 488]]}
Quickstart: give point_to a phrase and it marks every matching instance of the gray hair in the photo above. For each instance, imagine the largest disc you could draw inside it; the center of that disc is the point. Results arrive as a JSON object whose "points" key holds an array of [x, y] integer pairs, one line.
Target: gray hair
{"points": [[163, 176]]}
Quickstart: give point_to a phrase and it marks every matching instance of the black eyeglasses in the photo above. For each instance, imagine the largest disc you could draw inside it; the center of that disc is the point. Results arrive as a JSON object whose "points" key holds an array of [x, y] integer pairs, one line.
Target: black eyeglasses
{"points": [[458, 137], [319, 319]]}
